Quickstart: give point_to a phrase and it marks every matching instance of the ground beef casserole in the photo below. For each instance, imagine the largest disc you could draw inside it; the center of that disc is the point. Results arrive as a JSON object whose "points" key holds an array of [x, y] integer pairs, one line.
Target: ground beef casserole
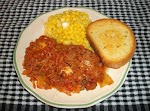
{"points": [[67, 68]]}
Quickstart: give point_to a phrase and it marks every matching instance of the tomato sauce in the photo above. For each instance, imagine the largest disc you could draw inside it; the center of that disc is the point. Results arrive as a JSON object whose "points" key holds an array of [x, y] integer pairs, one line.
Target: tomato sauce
{"points": [[67, 68]]}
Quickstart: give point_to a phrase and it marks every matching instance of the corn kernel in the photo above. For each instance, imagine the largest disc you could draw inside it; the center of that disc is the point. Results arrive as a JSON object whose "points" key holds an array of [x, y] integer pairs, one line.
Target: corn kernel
{"points": [[66, 42]]}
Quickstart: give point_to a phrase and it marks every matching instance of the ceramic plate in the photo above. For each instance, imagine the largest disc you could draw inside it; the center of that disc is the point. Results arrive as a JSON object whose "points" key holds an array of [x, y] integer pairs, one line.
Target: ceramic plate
{"points": [[53, 97]]}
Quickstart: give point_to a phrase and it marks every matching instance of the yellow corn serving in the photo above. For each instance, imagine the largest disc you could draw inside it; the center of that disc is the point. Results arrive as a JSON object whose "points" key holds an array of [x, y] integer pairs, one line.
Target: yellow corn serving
{"points": [[68, 27]]}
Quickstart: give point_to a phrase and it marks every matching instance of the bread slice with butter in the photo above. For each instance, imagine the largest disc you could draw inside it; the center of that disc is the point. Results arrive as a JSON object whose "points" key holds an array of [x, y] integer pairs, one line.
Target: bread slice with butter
{"points": [[112, 40]]}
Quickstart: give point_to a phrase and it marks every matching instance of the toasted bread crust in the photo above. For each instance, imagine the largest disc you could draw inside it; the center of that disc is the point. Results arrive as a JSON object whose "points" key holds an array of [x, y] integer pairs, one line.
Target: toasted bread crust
{"points": [[112, 63]]}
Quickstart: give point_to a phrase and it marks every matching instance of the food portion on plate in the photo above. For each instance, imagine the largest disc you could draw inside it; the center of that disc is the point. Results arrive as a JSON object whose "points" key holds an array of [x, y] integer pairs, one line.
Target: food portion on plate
{"points": [[68, 68], [112, 40], [73, 53], [68, 27]]}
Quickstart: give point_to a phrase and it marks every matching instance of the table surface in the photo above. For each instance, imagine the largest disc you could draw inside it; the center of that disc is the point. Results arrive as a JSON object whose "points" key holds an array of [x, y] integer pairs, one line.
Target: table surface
{"points": [[15, 15]]}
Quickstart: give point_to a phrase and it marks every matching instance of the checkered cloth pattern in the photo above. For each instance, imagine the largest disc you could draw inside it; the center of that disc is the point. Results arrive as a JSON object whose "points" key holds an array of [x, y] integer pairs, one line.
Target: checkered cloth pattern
{"points": [[15, 15]]}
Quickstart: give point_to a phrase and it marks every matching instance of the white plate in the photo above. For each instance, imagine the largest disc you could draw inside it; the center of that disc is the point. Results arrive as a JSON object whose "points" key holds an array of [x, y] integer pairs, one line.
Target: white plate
{"points": [[53, 97]]}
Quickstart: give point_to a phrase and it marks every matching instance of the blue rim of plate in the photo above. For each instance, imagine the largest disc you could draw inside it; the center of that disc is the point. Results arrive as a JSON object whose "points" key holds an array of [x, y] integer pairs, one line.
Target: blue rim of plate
{"points": [[58, 104]]}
